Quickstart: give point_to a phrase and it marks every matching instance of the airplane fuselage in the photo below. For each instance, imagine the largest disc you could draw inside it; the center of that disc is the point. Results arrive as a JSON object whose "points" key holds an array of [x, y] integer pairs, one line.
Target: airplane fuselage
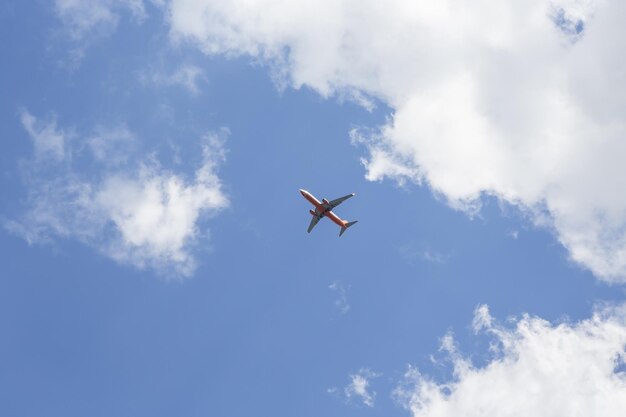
{"points": [[322, 210]]}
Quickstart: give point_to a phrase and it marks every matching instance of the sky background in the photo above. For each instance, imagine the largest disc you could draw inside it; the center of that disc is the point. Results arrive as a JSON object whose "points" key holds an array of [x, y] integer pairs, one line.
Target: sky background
{"points": [[221, 304]]}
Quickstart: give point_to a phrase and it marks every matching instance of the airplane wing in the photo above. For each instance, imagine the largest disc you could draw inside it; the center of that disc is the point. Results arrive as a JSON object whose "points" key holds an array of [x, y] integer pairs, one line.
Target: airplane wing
{"points": [[336, 202], [314, 221]]}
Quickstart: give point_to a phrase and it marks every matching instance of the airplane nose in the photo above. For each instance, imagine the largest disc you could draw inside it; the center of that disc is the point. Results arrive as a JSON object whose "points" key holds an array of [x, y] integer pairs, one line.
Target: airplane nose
{"points": [[302, 191]]}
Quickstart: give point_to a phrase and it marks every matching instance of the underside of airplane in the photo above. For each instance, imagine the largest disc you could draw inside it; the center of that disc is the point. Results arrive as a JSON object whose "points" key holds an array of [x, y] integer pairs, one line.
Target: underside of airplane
{"points": [[324, 209]]}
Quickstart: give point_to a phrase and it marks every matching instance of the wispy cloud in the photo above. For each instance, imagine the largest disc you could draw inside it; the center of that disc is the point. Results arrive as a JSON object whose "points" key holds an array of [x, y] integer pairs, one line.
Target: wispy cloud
{"points": [[84, 21], [130, 208], [83, 18], [412, 253], [434, 257], [341, 300], [48, 141], [359, 387], [187, 76]]}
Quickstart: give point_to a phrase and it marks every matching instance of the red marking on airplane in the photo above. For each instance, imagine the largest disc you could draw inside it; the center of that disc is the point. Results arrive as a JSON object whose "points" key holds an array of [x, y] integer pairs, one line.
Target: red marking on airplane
{"points": [[324, 209]]}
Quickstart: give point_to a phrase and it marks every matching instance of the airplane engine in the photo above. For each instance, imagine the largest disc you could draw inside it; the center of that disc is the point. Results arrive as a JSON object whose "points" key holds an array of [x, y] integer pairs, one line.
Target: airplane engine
{"points": [[313, 213], [325, 201]]}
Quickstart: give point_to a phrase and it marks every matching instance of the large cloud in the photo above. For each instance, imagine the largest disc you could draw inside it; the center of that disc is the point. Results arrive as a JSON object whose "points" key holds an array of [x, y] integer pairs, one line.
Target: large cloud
{"points": [[538, 370], [145, 215], [523, 100]]}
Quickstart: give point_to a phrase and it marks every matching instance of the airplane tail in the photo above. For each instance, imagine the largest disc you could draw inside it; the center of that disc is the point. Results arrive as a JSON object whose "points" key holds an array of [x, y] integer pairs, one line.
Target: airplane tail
{"points": [[343, 229]]}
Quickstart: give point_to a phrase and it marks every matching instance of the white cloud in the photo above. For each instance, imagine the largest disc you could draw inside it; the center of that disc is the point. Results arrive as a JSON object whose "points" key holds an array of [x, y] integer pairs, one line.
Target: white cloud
{"points": [[48, 141], [434, 257], [537, 369], [111, 146], [188, 76], [84, 21], [86, 17], [341, 302], [412, 253], [359, 387], [520, 100], [145, 215]]}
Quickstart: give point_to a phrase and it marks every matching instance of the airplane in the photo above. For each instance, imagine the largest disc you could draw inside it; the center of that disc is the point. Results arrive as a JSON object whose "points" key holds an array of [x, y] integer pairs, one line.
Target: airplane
{"points": [[324, 209]]}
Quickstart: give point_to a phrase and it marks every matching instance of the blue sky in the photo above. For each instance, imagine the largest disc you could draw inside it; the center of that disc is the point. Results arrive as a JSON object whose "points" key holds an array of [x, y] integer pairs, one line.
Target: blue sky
{"points": [[155, 255]]}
